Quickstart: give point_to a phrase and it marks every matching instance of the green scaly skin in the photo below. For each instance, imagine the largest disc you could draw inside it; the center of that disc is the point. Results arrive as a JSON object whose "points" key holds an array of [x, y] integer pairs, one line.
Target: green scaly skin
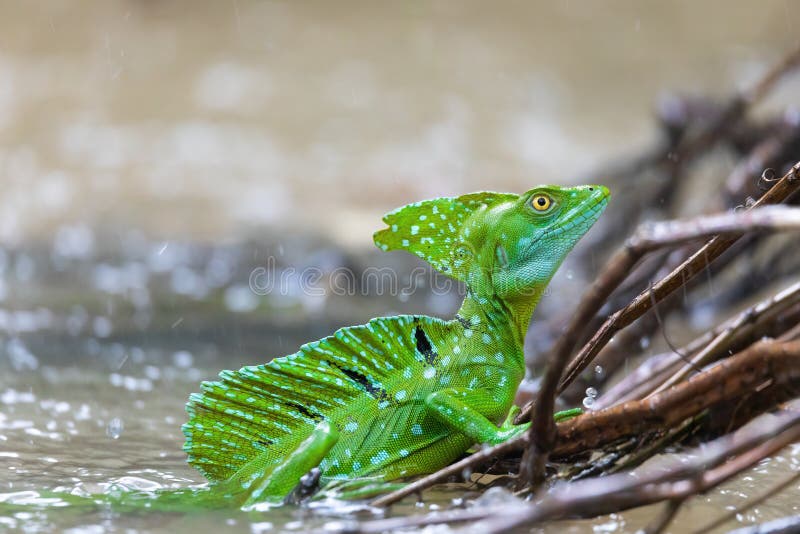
{"points": [[398, 396]]}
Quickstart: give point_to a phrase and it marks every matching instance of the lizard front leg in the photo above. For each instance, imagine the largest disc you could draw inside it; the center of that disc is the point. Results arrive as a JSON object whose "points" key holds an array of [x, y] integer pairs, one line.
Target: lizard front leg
{"points": [[456, 408]]}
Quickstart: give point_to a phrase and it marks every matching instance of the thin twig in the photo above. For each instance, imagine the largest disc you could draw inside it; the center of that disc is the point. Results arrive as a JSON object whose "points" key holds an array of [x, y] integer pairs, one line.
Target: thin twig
{"points": [[766, 317], [704, 356]]}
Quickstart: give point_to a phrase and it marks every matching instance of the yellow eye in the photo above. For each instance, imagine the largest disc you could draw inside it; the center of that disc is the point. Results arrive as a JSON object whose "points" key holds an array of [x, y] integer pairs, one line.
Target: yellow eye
{"points": [[541, 202]]}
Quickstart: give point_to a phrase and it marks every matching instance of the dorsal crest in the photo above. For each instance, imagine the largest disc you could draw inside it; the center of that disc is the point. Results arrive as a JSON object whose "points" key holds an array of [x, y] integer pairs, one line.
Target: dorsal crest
{"points": [[433, 229]]}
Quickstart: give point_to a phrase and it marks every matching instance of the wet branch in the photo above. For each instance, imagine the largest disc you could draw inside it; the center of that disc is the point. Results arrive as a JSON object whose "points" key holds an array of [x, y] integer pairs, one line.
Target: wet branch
{"points": [[752, 323], [766, 361], [557, 378], [711, 464]]}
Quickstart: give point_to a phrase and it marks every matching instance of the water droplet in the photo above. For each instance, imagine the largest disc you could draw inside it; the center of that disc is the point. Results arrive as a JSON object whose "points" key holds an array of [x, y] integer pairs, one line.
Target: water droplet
{"points": [[599, 371], [183, 359], [644, 342], [570, 275], [591, 392], [466, 473], [588, 402], [115, 428], [102, 326]]}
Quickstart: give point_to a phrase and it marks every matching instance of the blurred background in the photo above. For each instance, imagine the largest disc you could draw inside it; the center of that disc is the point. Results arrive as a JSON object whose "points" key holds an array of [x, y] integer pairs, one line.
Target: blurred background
{"points": [[182, 144], [155, 154]]}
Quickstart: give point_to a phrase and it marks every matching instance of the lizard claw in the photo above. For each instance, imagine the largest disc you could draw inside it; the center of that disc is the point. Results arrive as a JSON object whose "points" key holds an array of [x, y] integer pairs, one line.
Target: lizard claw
{"points": [[512, 414]]}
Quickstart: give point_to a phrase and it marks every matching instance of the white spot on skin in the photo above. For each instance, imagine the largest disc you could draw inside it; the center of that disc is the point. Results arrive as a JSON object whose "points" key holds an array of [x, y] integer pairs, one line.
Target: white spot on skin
{"points": [[403, 452], [467, 333], [499, 357], [352, 426], [414, 230], [487, 338], [394, 228], [456, 350], [382, 456], [429, 373], [416, 430], [405, 242], [400, 395], [407, 373], [423, 217], [445, 380]]}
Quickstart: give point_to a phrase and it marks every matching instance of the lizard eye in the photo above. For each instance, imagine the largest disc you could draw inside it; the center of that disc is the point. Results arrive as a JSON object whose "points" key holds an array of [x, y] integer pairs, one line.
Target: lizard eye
{"points": [[541, 203]]}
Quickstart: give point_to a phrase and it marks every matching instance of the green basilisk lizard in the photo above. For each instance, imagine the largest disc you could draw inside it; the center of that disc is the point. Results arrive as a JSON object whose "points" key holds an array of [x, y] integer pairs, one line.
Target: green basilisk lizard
{"points": [[398, 396]]}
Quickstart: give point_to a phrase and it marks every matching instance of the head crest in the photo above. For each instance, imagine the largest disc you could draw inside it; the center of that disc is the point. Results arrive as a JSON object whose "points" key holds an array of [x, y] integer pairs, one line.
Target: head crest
{"points": [[432, 229]]}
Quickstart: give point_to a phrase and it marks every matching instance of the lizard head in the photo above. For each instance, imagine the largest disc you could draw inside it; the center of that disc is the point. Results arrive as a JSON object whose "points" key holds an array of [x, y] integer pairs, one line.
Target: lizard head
{"points": [[522, 243], [499, 243]]}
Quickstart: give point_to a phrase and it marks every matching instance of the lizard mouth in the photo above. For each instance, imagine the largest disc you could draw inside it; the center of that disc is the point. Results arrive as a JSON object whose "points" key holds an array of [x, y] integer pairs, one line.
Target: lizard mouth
{"points": [[580, 218]]}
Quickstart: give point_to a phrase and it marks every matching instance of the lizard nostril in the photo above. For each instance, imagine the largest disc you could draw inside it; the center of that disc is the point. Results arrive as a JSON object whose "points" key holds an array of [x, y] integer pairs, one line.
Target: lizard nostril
{"points": [[591, 189]]}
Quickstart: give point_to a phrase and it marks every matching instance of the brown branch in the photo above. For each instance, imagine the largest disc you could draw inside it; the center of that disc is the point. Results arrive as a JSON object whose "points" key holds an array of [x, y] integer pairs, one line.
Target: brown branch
{"points": [[782, 142], [706, 355], [764, 361], [708, 468], [742, 373], [556, 379], [651, 237], [733, 332], [690, 268], [737, 107]]}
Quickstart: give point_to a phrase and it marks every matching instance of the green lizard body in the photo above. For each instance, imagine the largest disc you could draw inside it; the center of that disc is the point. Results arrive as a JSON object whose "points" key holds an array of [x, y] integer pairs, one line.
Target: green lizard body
{"points": [[405, 395], [398, 396]]}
